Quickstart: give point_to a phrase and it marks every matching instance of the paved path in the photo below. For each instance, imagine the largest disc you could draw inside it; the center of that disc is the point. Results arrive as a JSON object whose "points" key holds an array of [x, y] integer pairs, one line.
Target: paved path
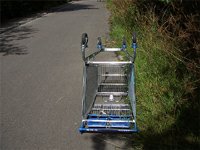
{"points": [[41, 81]]}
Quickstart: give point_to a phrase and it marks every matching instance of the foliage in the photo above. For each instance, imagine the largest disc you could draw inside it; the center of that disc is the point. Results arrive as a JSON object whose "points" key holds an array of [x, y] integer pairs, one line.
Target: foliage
{"points": [[167, 68]]}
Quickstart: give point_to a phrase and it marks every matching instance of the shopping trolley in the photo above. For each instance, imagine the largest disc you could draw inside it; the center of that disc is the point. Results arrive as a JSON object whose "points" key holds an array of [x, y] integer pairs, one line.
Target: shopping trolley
{"points": [[108, 101]]}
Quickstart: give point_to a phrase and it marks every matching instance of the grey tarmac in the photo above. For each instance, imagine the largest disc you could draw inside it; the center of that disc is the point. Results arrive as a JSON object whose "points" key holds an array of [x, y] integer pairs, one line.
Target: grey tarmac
{"points": [[41, 81]]}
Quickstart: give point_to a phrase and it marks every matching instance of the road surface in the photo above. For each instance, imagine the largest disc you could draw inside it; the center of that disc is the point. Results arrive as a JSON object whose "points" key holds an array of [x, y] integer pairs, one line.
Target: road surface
{"points": [[41, 81]]}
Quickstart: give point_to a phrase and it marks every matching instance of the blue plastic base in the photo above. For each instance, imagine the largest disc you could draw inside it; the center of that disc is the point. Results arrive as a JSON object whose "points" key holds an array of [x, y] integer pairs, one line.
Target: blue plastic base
{"points": [[91, 123], [106, 130], [101, 126]]}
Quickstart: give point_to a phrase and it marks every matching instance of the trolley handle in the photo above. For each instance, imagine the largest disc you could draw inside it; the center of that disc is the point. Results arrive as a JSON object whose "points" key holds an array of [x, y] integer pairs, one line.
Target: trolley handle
{"points": [[134, 45]]}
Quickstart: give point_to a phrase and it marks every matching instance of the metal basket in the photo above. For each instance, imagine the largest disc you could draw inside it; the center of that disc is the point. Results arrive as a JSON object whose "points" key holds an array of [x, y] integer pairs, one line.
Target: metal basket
{"points": [[108, 102]]}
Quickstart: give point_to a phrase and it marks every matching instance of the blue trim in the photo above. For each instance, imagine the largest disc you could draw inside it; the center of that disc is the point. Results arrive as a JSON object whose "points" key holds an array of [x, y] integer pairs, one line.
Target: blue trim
{"points": [[134, 45], [99, 46], [124, 46], [107, 130], [92, 121]]}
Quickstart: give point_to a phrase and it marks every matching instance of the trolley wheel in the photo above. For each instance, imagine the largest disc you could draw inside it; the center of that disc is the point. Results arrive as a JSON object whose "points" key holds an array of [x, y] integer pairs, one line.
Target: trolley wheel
{"points": [[84, 39], [134, 37]]}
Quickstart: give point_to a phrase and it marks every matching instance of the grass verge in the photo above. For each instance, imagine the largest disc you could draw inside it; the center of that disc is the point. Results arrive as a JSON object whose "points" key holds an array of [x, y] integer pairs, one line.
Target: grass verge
{"points": [[167, 117]]}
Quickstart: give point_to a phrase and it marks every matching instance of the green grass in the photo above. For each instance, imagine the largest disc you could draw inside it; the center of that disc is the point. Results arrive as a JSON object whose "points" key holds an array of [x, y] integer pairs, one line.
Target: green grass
{"points": [[159, 90], [155, 77]]}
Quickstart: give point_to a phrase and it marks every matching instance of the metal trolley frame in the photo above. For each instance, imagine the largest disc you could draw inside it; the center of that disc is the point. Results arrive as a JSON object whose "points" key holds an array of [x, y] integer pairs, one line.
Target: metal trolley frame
{"points": [[109, 101]]}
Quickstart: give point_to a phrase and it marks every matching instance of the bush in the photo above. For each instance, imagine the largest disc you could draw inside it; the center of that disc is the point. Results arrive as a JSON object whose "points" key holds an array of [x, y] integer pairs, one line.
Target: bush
{"points": [[167, 68]]}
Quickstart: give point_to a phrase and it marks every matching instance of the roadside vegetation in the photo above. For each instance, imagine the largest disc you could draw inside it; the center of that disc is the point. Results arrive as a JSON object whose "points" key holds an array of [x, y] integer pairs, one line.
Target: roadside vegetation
{"points": [[167, 69], [22, 8]]}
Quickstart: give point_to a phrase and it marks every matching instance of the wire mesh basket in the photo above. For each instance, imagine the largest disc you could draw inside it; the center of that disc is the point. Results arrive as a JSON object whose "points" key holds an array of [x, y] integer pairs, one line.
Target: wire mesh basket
{"points": [[108, 102]]}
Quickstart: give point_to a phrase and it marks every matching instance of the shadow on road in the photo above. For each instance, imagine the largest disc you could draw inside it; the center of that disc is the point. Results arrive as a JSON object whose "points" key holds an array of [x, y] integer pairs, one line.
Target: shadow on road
{"points": [[10, 41], [118, 141], [9, 44], [73, 7]]}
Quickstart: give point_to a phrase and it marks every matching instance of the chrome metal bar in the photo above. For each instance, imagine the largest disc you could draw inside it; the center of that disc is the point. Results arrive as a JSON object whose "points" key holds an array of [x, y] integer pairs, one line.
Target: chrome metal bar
{"points": [[110, 121], [113, 75], [113, 84], [110, 109], [116, 105], [113, 93], [109, 62], [112, 49]]}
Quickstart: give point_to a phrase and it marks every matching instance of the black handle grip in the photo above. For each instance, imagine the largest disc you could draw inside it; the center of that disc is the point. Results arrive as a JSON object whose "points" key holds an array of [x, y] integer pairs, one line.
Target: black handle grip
{"points": [[134, 38], [124, 43], [84, 40]]}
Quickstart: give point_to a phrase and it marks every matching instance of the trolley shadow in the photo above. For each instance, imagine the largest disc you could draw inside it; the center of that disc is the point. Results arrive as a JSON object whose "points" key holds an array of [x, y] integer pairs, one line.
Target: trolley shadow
{"points": [[120, 141]]}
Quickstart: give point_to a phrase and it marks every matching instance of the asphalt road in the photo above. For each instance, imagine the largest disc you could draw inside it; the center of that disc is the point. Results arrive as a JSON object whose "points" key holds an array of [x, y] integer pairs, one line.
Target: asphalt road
{"points": [[41, 81]]}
